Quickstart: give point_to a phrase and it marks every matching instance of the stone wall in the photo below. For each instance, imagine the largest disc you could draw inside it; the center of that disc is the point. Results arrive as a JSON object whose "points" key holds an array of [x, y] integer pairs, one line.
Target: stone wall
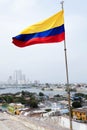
{"points": [[64, 121]]}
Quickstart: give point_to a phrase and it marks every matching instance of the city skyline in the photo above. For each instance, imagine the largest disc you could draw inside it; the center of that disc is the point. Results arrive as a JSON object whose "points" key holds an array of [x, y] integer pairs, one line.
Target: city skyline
{"points": [[18, 77]]}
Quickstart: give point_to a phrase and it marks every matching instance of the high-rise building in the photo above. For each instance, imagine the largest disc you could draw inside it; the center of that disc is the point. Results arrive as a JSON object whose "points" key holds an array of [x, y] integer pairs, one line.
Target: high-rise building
{"points": [[10, 80], [18, 77]]}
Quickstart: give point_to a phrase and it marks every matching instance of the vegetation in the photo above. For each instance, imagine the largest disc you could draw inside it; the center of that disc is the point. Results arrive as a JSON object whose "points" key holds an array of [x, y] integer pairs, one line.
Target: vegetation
{"points": [[58, 97], [81, 95], [76, 104], [7, 98], [25, 98], [41, 94], [33, 103]]}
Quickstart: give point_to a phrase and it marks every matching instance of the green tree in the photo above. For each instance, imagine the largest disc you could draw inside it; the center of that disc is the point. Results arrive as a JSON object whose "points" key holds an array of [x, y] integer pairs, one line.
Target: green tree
{"points": [[8, 99], [41, 94], [76, 104], [79, 94], [33, 103], [20, 99]]}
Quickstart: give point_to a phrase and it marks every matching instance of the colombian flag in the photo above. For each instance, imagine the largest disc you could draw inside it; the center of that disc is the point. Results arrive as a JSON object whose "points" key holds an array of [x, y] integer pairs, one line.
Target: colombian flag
{"points": [[50, 30]]}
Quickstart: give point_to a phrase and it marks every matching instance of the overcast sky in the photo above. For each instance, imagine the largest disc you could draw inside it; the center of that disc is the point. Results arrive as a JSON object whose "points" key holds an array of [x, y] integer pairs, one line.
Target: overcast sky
{"points": [[45, 63]]}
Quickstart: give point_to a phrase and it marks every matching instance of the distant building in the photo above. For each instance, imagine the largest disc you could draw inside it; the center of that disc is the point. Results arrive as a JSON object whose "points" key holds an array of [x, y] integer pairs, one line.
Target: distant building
{"points": [[19, 77], [80, 114], [10, 80]]}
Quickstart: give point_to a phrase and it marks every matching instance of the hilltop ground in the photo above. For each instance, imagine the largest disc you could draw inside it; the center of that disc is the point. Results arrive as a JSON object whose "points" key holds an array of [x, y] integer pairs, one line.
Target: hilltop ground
{"points": [[11, 122]]}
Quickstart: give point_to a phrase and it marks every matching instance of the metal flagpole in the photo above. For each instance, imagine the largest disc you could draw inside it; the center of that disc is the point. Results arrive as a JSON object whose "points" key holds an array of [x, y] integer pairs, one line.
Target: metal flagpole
{"points": [[67, 78]]}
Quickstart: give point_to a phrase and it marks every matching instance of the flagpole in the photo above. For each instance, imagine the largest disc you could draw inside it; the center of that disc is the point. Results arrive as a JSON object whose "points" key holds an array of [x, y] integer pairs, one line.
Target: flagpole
{"points": [[67, 78]]}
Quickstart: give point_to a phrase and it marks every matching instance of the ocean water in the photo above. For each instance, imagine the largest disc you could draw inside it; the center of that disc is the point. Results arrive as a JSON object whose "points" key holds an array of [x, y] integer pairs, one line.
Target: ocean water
{"points": [[30, 89]]}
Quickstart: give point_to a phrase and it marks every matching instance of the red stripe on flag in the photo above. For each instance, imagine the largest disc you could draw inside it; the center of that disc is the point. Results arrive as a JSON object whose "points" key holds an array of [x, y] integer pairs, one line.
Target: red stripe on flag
{"points": [[41, 40]]}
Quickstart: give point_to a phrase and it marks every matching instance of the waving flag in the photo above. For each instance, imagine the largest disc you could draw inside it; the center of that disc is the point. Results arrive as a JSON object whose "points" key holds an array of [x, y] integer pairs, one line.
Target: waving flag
{"points": [[47, 31]]}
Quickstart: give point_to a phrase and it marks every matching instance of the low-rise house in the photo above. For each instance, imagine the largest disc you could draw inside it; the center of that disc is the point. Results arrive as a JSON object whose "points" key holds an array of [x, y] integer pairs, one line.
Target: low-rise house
{"points": [[80, 114], [16, 105], [14, 108], [37, 113], [17, 112]]}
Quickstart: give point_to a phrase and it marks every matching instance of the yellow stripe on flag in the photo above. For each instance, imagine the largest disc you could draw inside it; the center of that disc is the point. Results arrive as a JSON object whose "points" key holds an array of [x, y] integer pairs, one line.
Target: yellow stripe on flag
{"points": [[52, 22]]}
